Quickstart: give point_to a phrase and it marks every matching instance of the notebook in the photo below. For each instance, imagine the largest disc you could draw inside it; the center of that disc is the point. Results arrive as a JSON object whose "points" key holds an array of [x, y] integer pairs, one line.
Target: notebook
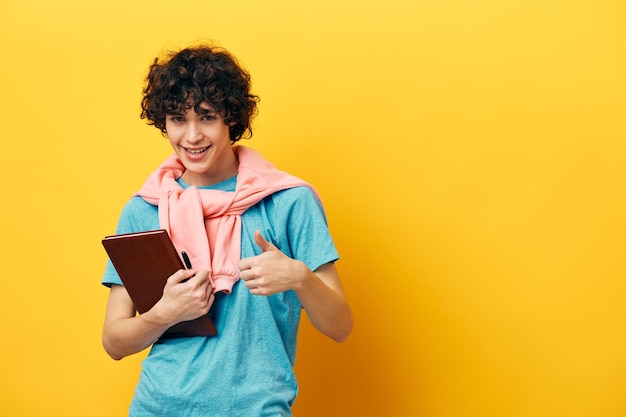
{"points": [[144, 261]]}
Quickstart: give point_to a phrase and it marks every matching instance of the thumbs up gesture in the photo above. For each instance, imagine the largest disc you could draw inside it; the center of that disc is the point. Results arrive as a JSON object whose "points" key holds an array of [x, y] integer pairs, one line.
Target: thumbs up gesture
{"points": [[265, 245], [272, 271]]}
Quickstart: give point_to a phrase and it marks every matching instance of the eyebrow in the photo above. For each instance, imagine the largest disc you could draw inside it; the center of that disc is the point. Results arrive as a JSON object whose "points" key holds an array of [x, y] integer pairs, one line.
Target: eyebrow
{"points": [[202, 110]]}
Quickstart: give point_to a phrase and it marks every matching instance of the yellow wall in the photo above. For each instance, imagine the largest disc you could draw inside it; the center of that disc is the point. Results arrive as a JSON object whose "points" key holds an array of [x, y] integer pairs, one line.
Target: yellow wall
{"points": [[471, 155]]}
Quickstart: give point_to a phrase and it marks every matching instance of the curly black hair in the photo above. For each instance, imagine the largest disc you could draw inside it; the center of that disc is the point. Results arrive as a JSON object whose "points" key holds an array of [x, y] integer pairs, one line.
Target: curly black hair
{"points": [[194, 75]]}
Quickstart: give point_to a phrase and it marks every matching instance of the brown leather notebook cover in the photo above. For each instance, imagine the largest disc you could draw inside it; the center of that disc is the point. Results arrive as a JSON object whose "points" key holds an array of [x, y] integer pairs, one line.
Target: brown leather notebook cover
{"points": [[144, 261]]}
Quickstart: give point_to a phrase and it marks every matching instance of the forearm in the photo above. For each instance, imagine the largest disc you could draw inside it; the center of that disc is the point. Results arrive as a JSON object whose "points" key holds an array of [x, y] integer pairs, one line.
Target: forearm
{"points": [[126, 336], [320, 292], [326, 306], [125, 333], [186, 296]]}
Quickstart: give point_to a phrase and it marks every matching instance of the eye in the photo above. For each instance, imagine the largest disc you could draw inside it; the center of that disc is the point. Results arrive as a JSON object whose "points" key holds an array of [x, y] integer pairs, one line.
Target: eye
{"points": [[208, 117], [176, 118]]}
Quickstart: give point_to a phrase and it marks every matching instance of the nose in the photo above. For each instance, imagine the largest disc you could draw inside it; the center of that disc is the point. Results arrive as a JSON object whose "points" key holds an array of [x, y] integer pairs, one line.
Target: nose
{"points": [[193, 133]]}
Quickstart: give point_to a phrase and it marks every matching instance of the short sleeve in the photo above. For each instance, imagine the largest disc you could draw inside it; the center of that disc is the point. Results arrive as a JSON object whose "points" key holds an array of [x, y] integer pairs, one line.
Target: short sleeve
{"points": [[301, 228], [137, 216]]}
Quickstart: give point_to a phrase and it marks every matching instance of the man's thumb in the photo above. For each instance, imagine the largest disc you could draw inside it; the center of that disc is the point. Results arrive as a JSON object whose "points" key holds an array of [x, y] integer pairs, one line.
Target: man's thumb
{"points": [[263, 244]]}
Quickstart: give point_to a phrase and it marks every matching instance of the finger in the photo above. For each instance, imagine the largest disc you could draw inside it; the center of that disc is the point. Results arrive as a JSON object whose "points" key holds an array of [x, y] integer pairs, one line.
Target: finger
{"points": [[180, 276], [245, 264], [209, 302], [251, 283], [202, 279], [249, 274], [263, 244]]}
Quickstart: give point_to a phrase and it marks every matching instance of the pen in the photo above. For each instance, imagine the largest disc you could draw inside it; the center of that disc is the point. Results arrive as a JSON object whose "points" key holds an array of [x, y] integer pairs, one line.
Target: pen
{"points": [[186, 259]]}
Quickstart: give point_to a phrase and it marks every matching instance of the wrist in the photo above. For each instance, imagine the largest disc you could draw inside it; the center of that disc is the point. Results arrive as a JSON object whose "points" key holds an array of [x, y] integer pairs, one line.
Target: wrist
{"points": [[155, 318], [305, 277]]}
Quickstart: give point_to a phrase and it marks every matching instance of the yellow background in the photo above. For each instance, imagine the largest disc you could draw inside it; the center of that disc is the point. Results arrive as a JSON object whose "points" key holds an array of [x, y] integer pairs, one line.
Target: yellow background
{"points": [[471, 157]]}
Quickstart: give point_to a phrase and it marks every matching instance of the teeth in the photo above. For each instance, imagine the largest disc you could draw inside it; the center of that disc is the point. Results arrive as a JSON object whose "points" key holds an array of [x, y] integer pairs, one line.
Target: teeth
{"points": [[196, 151]]}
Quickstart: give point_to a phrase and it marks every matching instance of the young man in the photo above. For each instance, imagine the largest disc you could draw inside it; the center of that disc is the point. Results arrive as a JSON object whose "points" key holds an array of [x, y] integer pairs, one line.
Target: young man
{"points": [[259, 245]]}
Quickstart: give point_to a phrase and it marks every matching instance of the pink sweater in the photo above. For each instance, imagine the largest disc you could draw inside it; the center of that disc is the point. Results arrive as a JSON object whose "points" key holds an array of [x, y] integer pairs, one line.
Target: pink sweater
{"points": [[207, 223]]}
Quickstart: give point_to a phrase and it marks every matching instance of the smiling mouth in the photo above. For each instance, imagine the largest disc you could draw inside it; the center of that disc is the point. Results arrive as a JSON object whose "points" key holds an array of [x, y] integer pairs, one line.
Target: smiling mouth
{"points": [[196, 151]]}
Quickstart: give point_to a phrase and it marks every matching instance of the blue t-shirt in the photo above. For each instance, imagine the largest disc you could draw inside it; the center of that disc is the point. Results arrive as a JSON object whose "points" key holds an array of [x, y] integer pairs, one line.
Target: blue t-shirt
{"points": [[247, 369]]}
